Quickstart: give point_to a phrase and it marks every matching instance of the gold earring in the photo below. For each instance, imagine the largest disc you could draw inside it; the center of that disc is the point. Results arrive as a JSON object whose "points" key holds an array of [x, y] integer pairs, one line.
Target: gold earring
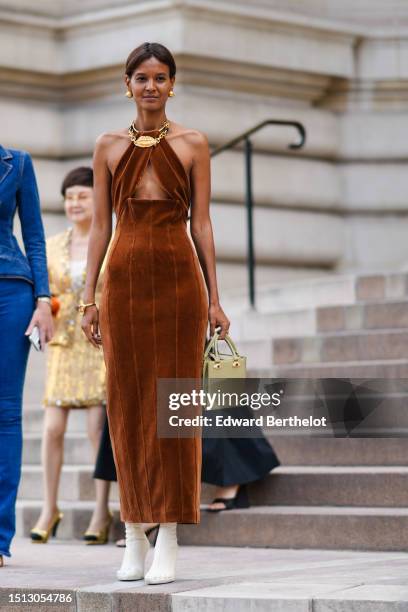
{"points": [[171, 93], [129, 94]]}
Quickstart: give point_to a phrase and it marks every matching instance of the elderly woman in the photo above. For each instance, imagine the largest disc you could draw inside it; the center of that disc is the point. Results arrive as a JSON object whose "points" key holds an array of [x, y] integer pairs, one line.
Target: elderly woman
{"points": [[24, 304], [75, 371]]}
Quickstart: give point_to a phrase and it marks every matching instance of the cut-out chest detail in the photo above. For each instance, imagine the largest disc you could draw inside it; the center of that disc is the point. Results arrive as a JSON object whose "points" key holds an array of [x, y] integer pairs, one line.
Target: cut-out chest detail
{"points": [[148, 174], [148, 186]]}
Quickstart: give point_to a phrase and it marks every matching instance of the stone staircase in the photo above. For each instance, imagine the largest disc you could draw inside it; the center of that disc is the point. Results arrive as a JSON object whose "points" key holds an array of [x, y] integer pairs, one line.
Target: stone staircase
{"points": [[303, 308], [328, 493]]}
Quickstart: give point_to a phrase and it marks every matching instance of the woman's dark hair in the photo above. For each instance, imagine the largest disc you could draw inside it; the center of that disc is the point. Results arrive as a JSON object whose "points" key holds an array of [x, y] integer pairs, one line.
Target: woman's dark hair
{"points": [[145, 52], [78, 176]]}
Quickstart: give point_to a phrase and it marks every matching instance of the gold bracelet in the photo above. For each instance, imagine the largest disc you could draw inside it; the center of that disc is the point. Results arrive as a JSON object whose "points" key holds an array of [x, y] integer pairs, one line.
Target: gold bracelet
{"points": [[82, 307]]}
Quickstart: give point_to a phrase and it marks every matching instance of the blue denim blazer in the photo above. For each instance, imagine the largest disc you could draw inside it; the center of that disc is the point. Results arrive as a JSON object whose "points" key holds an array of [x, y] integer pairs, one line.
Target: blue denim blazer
{"points": [[18, 192]]}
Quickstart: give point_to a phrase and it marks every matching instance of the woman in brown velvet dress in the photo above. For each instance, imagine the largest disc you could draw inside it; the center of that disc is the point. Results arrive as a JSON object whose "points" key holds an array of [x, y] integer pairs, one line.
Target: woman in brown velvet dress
{"points": [[154, 308]]}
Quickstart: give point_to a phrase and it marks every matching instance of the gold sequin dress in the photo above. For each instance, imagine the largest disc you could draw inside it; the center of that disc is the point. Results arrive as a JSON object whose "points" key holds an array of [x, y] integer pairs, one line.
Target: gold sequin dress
{"points": [[75, 369]]}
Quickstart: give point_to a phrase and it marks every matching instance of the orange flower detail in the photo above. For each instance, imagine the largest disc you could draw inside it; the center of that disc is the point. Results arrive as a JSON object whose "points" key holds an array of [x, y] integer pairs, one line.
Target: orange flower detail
{"points": [[55, 305]]}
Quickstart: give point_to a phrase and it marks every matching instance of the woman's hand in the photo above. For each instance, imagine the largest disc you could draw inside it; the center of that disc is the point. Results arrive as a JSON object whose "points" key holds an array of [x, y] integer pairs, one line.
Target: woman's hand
{"points": [[42, 317], [217, 317], [90, 326]]}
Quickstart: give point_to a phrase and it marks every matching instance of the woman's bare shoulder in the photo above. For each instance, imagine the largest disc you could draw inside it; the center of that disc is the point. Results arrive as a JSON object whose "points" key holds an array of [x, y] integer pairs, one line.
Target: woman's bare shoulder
{"points": [[107, 139], [191, 136], [110, 146]]}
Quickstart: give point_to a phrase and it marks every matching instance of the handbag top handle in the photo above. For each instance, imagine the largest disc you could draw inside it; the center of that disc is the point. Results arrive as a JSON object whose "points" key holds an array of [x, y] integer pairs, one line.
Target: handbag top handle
{"points": [[213, 343]]}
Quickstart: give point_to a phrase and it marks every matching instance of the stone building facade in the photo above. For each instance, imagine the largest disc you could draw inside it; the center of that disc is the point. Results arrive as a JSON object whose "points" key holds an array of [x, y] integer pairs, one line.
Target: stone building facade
{"points": [[340, 68]]}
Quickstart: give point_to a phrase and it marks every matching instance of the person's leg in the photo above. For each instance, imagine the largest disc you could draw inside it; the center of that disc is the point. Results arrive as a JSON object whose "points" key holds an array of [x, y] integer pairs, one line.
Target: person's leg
{"points": [[52, 453], [163, 568], [16, 309], [224, 493], [100, 517], [137, 547]]}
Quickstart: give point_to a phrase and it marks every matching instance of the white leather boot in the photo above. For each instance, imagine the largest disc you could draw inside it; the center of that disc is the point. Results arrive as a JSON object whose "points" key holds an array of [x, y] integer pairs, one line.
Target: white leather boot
{"points": [[163, 568], [137, 547]]}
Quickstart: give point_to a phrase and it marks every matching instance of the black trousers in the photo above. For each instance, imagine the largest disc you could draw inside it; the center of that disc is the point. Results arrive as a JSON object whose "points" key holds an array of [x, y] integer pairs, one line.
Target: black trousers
{"points": [[226, 460]]}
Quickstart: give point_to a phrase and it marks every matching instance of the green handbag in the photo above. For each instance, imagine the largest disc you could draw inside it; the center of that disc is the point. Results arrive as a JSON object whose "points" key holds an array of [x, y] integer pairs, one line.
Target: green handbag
{"points": [[219, 368]]}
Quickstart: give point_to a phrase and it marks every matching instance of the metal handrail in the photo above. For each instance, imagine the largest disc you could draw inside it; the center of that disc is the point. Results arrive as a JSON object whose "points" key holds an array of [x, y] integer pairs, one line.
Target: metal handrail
{"points": [[244, 136]]}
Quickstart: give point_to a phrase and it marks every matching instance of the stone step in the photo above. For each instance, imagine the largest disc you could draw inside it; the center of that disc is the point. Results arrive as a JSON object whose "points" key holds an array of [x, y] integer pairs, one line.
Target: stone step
{"points": [[318, 451], [82, 579], [33, 417], [259, 325], [323, 527], [373, 369], [368, 486], [77, 449], [278, 296], [381, 286], [384, 314], [77, 515], [378, 315], [267, 596], [319, 291], [285, 485], [382, 407], [76, 484], [284, 320], [339, 347], [35, 379], [292, 450], [395, 369]]}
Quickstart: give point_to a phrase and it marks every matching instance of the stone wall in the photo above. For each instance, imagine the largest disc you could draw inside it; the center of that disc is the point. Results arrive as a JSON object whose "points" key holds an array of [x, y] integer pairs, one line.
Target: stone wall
{"points": [[340, 68]]}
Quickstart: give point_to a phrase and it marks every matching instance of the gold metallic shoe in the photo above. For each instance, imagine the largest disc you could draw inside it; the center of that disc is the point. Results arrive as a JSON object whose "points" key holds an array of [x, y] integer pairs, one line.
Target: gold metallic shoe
{"points": [[40, 536], [1, 561], [101, 536]]}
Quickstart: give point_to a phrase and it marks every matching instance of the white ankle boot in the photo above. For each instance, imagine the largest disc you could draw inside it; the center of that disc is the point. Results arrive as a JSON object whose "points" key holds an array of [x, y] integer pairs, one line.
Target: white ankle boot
{"points": [[165, 554], [137, 547]]}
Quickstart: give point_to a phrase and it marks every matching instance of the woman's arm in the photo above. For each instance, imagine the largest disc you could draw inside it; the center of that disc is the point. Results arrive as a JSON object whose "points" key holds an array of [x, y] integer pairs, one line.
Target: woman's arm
{"points": [[32, 230], [99, 238], [202, 233]]}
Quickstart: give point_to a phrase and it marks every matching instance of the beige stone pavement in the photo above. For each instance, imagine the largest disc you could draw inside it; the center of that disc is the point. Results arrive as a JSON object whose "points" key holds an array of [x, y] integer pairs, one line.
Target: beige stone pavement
{"points": [[208, 579]]}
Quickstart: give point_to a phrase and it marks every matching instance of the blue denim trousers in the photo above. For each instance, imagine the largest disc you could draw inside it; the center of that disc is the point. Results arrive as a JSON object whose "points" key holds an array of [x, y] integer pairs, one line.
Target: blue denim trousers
{"points": [[17, 304]]}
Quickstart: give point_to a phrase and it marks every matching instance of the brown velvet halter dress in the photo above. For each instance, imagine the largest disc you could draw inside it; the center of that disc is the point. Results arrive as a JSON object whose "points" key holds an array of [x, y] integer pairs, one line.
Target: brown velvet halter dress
{"points": [[153, 317]]}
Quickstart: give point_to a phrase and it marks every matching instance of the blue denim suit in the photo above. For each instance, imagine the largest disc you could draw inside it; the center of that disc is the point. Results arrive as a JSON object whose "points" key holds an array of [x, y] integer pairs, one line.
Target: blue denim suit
{"points": [[22, 279]]}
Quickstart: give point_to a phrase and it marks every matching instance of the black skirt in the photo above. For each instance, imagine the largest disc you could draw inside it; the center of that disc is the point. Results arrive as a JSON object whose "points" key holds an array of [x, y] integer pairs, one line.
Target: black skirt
{"points": [[105, 464], [229, 460], [226, 461]]}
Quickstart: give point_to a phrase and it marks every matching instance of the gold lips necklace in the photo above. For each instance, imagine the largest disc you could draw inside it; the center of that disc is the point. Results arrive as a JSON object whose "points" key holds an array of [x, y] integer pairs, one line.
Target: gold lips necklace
{"points": [[145, 140]]}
